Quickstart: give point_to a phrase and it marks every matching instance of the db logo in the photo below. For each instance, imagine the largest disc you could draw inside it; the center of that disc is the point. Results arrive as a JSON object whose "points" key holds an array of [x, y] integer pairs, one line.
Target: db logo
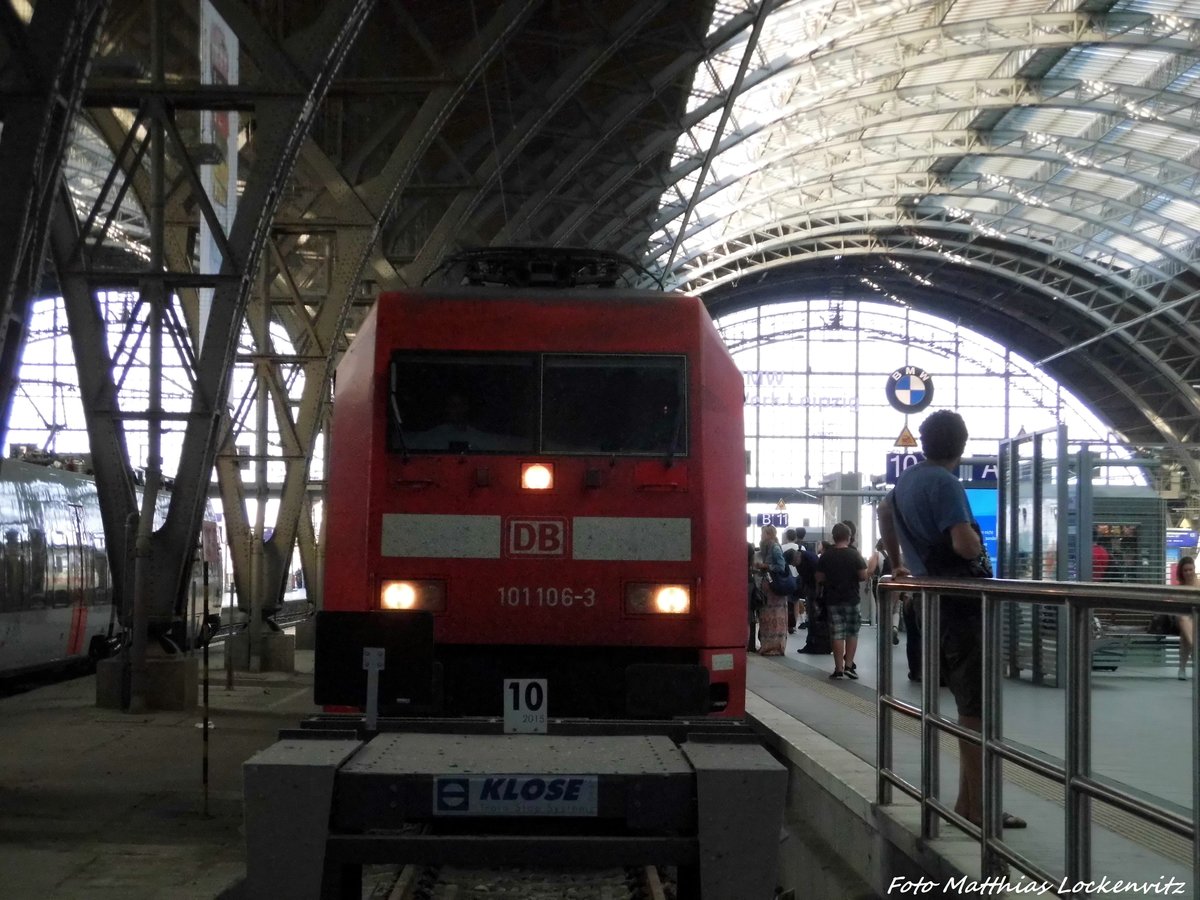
{"points": [[537, 537]]}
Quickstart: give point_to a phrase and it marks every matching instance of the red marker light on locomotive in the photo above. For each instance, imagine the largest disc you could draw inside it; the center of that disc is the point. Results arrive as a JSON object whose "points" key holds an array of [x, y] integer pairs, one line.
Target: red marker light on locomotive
{"points": [[537, 476], [669, 599], [425, 595]]}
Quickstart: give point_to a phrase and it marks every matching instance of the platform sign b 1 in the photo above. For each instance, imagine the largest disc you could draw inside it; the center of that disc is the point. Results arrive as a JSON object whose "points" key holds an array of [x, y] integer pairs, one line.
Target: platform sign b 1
{"points": [[525, 703]]}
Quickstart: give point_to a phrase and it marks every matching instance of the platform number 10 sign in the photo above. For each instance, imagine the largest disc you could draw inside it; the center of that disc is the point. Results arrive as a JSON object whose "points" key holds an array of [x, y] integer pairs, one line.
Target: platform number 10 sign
{"points": [[899, 462], [525, 705]]}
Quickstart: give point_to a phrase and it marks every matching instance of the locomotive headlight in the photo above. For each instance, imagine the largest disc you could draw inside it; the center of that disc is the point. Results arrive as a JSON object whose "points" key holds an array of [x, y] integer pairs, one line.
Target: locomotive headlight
{"points": [[537, 476], [652, 599], [425, 595]]}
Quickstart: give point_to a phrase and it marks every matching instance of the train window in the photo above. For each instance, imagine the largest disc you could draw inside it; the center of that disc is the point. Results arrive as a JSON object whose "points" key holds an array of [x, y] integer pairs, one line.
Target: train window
{"points": [[459, 403], [623, 405], [14, 570]]}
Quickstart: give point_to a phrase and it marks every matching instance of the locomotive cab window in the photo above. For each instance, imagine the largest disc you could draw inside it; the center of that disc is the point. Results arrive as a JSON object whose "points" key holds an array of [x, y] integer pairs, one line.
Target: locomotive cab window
{"points": [[462, 403], [621, 405], [526, 403]]}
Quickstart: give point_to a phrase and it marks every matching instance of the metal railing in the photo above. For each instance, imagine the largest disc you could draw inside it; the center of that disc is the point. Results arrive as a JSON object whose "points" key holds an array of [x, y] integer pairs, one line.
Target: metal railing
{"points": [[1075, 775]]}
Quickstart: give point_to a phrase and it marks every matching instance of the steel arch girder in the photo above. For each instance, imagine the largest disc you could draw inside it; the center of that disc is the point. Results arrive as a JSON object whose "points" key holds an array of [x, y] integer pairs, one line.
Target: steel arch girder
{"points": [[49, 67], [1036, 272], [853, 152], [367, 207], [565, 86], [1079, 211], [106, 432], [796, 281], [927, 47], [1037, 252], [281, 127], [849, 136], [1136, 396]]}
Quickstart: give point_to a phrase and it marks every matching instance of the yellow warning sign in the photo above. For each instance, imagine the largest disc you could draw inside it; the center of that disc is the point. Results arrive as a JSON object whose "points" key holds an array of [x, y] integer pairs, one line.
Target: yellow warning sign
{"points": [[906, 439]]}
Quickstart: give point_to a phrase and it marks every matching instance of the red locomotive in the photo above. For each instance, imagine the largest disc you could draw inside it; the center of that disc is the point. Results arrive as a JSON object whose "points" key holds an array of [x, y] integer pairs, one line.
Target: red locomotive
{"points": [[559, 478]]}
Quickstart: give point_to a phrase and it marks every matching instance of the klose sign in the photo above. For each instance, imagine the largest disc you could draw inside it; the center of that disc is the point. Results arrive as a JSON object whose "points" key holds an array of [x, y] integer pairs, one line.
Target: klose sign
{"points": [[509, 795]]}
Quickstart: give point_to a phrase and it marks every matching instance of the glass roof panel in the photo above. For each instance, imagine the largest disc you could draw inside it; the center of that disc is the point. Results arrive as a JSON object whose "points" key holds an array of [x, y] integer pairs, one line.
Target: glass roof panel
{"points": [[900, 106]]}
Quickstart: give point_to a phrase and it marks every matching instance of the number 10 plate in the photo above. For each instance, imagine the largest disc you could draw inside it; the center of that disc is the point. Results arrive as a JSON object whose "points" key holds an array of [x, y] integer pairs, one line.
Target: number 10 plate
{"points": [[525, 705]]}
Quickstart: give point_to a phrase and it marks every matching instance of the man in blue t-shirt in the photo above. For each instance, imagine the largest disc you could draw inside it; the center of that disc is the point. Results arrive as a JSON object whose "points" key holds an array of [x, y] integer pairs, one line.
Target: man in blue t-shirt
{"points": [[927, 518]]}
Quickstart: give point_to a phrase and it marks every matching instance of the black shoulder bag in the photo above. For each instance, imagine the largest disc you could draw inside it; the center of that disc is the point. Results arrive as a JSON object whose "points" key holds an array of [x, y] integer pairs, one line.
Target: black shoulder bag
{"points": [[943, 562]]}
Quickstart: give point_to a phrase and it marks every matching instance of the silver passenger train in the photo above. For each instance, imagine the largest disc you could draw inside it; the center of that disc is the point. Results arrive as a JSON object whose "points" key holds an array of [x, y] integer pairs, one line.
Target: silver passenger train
{"points": [[56, 598]]}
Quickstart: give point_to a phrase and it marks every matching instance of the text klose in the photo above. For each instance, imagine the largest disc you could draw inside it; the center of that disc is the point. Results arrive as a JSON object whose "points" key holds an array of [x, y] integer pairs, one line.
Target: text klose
{"points": [[531, 789]]}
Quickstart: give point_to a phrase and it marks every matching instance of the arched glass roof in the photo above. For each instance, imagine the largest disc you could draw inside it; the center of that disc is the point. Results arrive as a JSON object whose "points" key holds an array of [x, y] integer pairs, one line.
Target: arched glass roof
{"points": [[1018, 118], [1030, 165]]}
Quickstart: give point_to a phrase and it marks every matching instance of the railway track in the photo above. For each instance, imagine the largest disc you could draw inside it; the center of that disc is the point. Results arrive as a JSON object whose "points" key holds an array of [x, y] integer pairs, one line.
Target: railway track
{"points": [[418, 882]]}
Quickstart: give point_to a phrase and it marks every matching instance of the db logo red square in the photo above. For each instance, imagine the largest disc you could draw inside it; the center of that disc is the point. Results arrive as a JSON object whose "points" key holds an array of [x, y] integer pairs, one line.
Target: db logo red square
{"points": [[536, 537]]}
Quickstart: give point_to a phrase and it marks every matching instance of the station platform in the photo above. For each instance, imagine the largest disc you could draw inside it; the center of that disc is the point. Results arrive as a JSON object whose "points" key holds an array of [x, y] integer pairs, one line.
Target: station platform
{"points": [[98, 804], [1141, 739]]}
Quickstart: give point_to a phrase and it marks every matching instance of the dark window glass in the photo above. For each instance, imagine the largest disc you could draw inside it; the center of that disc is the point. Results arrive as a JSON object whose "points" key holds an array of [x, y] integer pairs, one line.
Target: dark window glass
{"points": [[624, 405], [14, 569], [443, 403], [489, 403]]}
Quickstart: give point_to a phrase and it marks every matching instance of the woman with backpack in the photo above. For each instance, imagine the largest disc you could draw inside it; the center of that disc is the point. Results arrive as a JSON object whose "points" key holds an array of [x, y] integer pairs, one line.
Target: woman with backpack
{"points": [[772, 619]]}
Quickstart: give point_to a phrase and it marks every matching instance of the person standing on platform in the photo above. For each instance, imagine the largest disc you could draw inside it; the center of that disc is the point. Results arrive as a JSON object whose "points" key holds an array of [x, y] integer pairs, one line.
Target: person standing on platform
{"points": [[928, 529], [806, 574], [911, 611], [879, 565], [1101, 558], [789, 548], [1185, 574], [772, 618], [789, 541], [840, 571]]}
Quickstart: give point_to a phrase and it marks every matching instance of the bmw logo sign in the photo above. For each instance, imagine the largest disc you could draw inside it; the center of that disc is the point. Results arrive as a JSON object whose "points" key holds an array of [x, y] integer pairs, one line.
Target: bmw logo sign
{"points": [[910, 389]]}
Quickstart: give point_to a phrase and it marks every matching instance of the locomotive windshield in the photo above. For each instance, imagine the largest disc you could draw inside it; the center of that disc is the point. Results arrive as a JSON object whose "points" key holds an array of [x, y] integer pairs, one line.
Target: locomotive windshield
{"points": [[528, 403]]}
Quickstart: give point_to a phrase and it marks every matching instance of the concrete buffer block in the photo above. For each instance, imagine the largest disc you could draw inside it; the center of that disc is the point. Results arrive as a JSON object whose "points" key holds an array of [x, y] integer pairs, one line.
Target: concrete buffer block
{"points": [[741, 791]]}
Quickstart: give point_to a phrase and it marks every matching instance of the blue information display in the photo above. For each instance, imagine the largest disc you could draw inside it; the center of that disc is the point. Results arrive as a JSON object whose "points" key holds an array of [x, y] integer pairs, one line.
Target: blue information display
{"points": [[984, 503]]}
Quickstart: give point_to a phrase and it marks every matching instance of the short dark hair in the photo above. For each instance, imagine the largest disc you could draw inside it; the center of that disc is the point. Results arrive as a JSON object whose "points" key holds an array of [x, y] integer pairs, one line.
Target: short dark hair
{"points": [[943, 436], [800, 533], [841, 532], [790, 534]]}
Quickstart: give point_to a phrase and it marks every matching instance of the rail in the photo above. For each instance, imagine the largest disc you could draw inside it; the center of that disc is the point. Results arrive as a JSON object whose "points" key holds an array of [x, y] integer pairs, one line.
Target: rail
{"points": [[1074, 773]]}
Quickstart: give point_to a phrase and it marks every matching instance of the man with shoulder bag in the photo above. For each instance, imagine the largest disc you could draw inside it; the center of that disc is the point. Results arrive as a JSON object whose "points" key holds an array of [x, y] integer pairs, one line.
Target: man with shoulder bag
{"points": [[928, 529]]}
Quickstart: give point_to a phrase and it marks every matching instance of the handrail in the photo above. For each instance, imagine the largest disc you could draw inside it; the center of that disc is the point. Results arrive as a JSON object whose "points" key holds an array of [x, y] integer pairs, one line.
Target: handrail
{"points": [[1074, 774]]}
